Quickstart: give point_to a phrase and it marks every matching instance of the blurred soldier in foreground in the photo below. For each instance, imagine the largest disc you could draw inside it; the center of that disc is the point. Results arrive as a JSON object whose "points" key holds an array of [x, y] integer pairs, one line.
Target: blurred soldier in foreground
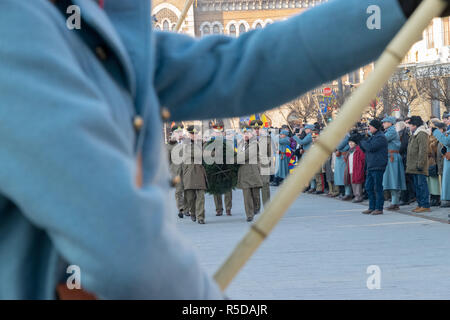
{"points": [[81, 122]]}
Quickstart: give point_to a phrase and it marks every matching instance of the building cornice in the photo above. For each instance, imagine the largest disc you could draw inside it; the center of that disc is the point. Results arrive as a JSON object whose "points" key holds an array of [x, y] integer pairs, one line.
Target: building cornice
{"points": [[240, 5]]}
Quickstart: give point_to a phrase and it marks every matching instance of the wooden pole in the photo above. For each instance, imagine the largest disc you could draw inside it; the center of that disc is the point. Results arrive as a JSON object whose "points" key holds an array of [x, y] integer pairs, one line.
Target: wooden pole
{"points": [[329, 139], [186, 8]]}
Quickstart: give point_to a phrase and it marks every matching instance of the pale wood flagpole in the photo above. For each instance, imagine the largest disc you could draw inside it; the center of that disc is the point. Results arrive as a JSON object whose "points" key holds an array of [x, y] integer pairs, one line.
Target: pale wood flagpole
{"points": [[186, 8]]}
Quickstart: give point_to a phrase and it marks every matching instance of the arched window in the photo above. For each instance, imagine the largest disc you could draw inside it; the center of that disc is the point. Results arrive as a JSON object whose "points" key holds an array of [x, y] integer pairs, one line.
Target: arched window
{"points": [[242, 28], [166, 25], [158, 28], [233, 30], [216, 29], [206, 30], [258, 26]]}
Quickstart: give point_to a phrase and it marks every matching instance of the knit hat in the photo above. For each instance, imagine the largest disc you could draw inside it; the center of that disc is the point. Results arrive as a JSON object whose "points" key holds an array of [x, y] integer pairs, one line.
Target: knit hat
{"points": [[355, 138], [392, 120], [256, 123], [416, 121], [376, 124]]}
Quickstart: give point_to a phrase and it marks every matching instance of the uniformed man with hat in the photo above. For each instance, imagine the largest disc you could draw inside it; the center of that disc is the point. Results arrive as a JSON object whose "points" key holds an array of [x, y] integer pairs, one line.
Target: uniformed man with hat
{"points": [[194, 175], [306, 143], [249, 176], [318, 180], [174, 149], [218, 131], [441, 130], [394, 176], [264, 158], [283, 157]]}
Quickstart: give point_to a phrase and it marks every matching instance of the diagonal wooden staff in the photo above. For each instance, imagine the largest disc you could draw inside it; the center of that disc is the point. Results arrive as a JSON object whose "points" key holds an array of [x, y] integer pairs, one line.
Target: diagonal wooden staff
{"points": [[329, 139], [183, 14]]}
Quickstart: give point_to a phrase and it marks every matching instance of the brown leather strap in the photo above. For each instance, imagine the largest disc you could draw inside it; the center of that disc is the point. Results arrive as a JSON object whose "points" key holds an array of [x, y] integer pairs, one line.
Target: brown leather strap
{"points": [[65, 293], [392, 154], [139, 173]]}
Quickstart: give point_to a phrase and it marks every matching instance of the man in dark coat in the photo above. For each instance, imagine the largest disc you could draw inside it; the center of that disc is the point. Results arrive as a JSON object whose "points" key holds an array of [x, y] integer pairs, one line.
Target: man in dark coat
{"points": [[376, 150], [407, 196]]}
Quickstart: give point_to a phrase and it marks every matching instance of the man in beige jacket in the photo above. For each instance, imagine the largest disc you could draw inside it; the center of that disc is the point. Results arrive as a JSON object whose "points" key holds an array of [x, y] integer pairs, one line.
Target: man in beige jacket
{"points": [[194, 176], [249, 175]]}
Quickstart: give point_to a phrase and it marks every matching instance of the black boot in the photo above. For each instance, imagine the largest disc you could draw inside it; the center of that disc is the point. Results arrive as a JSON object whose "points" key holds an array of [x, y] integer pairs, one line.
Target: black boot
{"points": [[445, 204], [434, 200], [275, 182]]}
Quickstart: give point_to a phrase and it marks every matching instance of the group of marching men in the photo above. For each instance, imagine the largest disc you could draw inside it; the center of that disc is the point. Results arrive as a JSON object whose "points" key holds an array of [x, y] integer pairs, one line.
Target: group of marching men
{"points": [[401, 160], [191, 181]]}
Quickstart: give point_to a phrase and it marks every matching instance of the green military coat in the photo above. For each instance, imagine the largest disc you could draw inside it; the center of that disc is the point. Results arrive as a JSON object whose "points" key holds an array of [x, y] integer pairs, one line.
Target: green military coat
{"points": [[249, 175], [417, 158], [194, 174]]}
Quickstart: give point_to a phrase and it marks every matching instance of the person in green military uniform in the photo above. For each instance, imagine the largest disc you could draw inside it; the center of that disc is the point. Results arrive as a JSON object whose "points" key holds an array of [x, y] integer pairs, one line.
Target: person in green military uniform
{"points": [[194, 175], [264, 157], [249, 176], [218, 131], [175, 168]]}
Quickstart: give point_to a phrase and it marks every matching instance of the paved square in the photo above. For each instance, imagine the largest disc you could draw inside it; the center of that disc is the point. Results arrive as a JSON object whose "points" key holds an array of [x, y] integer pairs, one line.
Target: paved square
{"points": [[322, 248]]}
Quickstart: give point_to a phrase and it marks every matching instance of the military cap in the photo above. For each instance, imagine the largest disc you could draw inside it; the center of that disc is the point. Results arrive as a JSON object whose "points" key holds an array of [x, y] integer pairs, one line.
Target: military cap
{"points": [[193, 129], [285, 132], [392, 120], [256, 123], [446, 115], [177, 127], [310, 127]]}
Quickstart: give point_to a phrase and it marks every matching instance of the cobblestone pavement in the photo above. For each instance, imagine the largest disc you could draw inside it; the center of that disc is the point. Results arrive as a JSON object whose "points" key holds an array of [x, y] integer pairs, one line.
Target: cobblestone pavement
{"points": [[322, 248]]}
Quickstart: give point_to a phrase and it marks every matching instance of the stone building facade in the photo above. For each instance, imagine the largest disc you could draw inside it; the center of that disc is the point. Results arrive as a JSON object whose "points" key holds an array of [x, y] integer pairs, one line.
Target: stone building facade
{"points": [[235, 17]]}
